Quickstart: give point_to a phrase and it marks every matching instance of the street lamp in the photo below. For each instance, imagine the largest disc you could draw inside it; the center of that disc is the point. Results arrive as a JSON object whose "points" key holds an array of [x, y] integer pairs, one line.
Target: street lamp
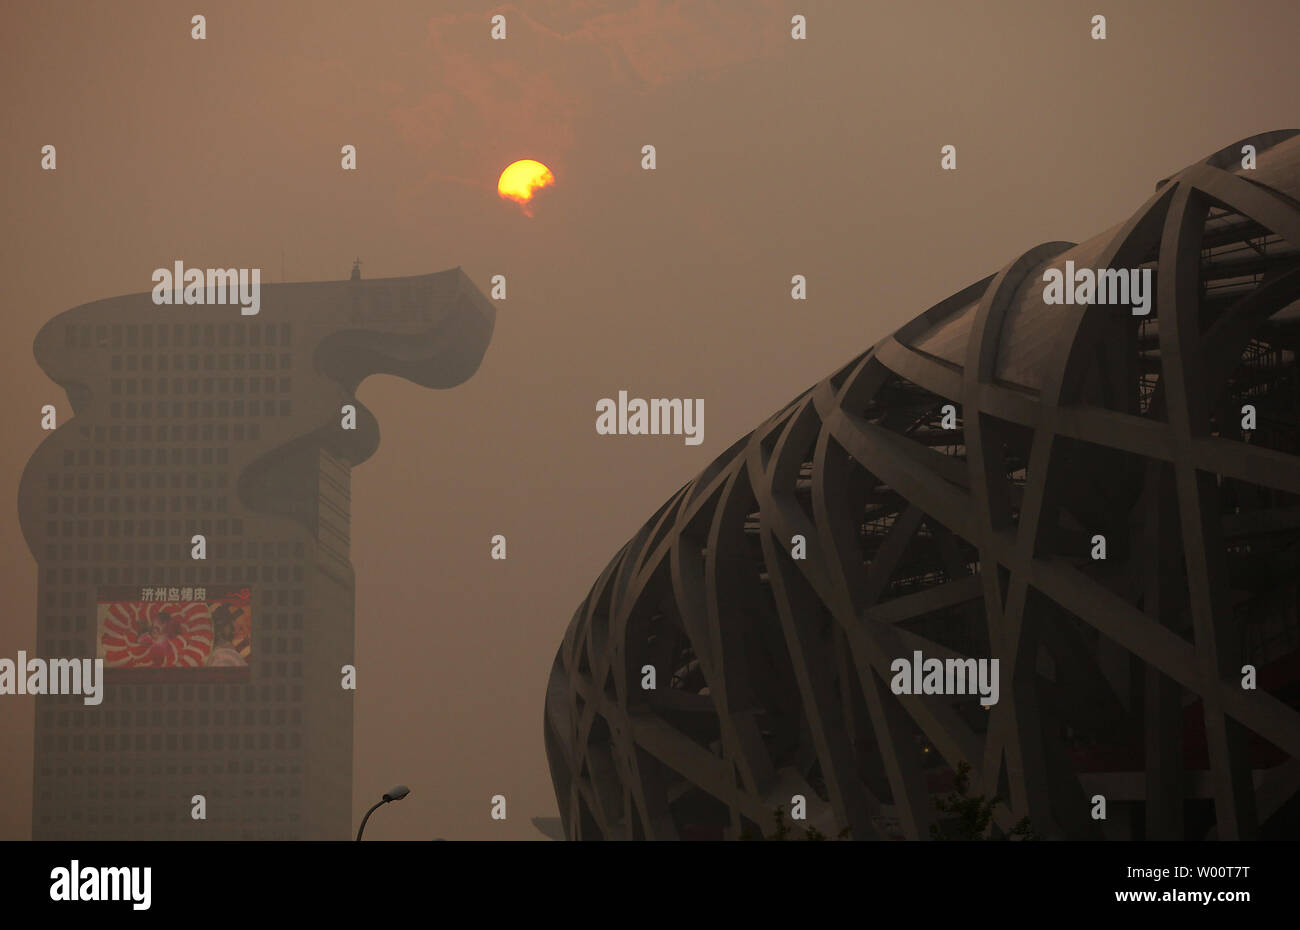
{"points": [[395, 793]]}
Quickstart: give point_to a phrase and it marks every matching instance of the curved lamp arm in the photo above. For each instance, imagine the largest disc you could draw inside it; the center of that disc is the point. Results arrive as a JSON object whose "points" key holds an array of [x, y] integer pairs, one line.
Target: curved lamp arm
{"points": [[395, 793], [378, 803]]}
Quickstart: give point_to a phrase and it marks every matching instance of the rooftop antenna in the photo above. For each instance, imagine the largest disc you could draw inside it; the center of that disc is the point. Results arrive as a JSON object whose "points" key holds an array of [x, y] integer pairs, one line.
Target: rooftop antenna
{"points": [[282, 276]]}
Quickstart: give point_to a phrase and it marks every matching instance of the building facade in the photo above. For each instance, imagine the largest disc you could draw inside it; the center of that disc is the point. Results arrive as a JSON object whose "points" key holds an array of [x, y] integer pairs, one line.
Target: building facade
{"points": [[223, 675], [1105, 500]]}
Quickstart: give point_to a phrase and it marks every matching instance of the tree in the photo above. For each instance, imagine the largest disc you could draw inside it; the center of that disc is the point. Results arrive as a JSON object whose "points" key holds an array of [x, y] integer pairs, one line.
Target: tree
{"points": [[783, 830], [969, 817]]}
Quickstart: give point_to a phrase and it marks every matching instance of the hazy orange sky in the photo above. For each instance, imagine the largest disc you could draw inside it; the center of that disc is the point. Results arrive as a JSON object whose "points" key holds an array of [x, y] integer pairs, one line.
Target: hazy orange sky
{"points": [[775, 157]]}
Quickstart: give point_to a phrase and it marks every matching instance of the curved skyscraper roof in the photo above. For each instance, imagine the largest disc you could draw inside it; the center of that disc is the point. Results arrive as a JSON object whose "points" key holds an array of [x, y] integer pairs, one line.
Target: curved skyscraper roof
{"points": [[223, 673]]}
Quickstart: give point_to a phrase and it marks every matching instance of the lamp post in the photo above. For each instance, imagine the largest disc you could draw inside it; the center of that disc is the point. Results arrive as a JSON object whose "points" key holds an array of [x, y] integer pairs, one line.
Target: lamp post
{"points": [[395, 793]]}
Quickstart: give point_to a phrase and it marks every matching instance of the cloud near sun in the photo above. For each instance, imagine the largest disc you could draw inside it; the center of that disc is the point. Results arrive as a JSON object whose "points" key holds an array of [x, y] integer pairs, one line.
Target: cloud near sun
{"points": [[522, 179], [477, 99]]}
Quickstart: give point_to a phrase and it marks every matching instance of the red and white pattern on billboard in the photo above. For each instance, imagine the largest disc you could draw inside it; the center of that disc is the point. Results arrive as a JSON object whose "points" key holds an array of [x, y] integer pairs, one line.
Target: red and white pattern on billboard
{"points": [[139, 634]]}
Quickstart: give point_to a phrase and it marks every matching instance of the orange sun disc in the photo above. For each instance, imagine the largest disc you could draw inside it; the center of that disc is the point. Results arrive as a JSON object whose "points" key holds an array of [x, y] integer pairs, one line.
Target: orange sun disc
{"points": [[522, 179]]}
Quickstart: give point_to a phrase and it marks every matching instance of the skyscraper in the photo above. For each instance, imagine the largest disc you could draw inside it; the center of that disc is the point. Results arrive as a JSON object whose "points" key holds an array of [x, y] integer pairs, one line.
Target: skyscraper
{"points": [[223, 675]]}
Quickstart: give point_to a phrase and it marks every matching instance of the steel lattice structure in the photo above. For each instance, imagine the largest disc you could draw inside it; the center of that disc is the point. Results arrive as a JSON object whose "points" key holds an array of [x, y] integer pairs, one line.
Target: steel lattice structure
{"points": [[1120, 677]]}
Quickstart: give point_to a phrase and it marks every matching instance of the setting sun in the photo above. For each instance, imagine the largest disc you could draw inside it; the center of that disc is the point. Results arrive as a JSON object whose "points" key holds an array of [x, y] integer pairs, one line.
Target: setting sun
{"points": [[522, 179]]}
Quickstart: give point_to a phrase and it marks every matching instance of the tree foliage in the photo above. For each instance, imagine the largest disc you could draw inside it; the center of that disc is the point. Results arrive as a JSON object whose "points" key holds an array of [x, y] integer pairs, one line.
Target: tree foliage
{"points": [[970, 817], [785, 831]]}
